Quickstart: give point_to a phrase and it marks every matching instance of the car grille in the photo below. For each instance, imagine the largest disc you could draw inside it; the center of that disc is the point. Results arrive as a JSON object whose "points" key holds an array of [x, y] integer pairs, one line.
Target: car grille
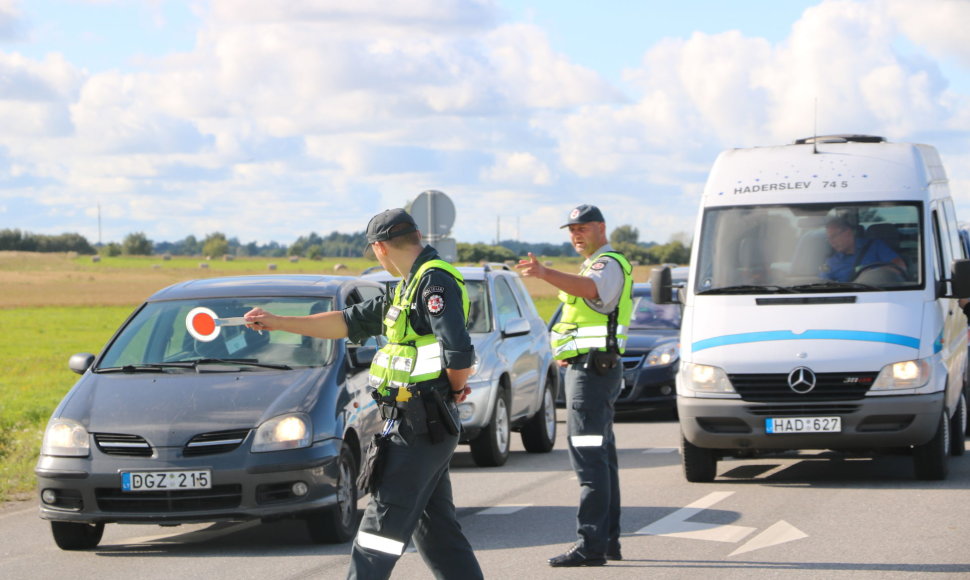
{"points": [[220, 497], [632, 362], [828, 387], [215, 442], [802, 410], [120, 444]]}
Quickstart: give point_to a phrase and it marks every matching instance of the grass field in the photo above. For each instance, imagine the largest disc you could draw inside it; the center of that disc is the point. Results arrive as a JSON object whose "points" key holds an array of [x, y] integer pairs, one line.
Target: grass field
{"points": [[56, 305]]}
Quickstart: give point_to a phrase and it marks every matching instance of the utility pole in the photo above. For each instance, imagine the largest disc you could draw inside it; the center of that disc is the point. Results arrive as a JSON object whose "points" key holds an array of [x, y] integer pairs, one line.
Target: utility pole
{"points": [[99, 223]]}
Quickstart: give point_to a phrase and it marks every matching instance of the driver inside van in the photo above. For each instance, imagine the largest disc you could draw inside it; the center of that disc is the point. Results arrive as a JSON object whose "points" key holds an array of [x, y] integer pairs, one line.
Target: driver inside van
{"points": [[852, 253]]}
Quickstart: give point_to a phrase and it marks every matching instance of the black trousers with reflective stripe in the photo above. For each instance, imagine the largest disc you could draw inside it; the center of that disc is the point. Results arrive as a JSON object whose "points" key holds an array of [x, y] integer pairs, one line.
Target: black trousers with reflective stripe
{"points": [[592, 451], [414, 501]]}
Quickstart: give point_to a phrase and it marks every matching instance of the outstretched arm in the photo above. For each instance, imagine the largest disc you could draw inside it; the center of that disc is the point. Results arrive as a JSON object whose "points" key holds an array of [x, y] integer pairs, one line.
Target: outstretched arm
{"points": [[322, 325], [573, 284]]}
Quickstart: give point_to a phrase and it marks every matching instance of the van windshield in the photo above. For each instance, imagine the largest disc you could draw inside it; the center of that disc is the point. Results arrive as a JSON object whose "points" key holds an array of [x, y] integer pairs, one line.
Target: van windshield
{"points": [[810, 248]]}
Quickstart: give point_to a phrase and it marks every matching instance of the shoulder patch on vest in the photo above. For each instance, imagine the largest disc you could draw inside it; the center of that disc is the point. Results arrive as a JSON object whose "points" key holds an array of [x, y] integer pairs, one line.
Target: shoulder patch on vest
{"points": [[431, 289], [598, 265], [435, 303]]}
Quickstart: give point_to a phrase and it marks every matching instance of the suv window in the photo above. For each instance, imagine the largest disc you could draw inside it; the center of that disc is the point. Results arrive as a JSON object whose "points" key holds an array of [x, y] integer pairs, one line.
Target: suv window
{"points": [[505, 304]]}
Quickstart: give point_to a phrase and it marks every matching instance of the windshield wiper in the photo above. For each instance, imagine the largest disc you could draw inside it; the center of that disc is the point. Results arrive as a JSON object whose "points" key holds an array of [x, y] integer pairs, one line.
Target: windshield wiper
{"points": [[146, 367], [834, 285], [251, 362], [748, 289], [191, 364]]}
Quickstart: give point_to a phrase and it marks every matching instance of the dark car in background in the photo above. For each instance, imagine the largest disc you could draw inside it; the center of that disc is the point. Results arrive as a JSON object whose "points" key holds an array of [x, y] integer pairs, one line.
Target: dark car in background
{"points": [[515, 380], [652, 352], [182, 418]]}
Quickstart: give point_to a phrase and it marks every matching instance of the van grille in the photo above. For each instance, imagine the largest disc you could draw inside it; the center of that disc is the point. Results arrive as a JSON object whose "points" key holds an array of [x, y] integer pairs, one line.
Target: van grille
{"points": [[828, 387], [121, 444], [220, 497], [215, 442]]}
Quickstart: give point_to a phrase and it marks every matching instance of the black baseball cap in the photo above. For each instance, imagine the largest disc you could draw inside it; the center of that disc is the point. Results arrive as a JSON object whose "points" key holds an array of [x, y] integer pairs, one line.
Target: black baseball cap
{"points": [[379, 227], [584, 214]]}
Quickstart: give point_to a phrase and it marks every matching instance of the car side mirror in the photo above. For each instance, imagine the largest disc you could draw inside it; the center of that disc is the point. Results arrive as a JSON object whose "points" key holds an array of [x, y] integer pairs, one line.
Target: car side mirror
{"points": [[516, 327], [660, 286], [80, 362], [960, 278], [361, 356]]}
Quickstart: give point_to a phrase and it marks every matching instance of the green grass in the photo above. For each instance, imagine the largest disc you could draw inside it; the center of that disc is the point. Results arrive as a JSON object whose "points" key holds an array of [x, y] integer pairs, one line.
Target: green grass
{"points": [[37, 343]]}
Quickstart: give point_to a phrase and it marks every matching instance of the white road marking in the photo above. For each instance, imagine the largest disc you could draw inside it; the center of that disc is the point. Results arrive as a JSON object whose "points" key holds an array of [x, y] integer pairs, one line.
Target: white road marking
{"points": [[676, 524], [779, 533], [502, 510]]}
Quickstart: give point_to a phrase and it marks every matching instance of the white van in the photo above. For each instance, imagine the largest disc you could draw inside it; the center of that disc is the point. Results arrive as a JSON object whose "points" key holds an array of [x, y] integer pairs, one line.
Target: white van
{"points": [[821, 307]]}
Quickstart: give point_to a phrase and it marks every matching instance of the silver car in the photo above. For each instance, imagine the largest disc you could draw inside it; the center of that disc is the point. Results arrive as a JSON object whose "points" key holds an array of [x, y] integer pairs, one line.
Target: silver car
{"points": [[188, 416], [515, 380]]}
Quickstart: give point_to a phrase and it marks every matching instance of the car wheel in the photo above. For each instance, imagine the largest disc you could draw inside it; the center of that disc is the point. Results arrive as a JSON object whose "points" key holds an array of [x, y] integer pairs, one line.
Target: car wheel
{"points": [[700, 465], [338, 523], [76, 535], [539, 433], [491, 447], [930, 459], [958, 428]]}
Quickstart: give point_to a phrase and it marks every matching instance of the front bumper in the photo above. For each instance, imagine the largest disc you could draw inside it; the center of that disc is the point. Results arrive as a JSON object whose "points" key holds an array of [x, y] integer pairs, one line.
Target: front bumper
{"points": [[867, 423], [244, 486]]}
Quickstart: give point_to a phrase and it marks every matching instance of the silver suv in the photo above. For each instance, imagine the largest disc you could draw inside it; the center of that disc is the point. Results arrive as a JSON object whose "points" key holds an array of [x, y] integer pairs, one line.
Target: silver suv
{"points": [[515, 381]]}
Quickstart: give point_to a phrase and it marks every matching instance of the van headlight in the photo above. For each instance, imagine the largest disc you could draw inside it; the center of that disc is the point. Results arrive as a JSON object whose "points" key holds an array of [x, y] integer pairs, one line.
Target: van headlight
{"points": [[705, 379], [910, 374], [66, 438], [663, 355], [283, 432]]}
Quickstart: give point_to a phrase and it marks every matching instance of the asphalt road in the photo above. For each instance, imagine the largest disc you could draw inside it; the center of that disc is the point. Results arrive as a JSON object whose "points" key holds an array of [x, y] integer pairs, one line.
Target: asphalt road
{"points": [[809, 515]]}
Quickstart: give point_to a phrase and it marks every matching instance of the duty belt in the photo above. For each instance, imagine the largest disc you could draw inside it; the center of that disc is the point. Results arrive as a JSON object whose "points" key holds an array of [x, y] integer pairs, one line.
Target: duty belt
{"points": [[396, 395]]}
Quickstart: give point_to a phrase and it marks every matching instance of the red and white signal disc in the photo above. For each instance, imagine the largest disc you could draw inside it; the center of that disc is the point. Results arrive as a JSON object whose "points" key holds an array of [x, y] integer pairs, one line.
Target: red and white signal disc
{"points": [[201, 324]]}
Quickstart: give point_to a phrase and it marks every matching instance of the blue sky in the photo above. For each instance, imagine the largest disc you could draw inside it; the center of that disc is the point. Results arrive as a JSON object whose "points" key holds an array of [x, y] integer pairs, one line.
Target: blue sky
{"points": [[266, 120]]}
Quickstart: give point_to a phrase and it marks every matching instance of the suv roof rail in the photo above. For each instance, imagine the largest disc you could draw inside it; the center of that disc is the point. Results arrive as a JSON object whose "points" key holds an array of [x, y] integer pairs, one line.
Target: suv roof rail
{"points": [[488, 266], [844, 138]]}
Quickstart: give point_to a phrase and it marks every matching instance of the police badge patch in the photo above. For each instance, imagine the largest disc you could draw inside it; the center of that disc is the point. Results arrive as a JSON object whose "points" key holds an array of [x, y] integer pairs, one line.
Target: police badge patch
{"points": [[599, 265], [436, 304]]}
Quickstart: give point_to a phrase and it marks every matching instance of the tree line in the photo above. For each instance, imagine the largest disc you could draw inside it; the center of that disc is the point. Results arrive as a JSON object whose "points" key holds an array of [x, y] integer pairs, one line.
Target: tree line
{"points": [[624, 239]]}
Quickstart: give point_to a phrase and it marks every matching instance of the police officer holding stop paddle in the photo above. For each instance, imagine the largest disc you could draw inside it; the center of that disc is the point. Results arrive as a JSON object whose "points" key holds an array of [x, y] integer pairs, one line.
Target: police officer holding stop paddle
{"points": [[418, 377]]}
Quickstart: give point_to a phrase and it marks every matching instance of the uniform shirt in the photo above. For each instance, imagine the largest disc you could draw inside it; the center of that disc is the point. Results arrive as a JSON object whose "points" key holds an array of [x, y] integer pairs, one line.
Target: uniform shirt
{"points": [[437, 310], [607, 274], [841, 267]]}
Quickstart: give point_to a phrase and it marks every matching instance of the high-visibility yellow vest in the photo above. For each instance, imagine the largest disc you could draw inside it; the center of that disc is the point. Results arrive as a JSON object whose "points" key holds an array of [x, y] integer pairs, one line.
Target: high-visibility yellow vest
{"points": [[582, 329], [409, 357]]}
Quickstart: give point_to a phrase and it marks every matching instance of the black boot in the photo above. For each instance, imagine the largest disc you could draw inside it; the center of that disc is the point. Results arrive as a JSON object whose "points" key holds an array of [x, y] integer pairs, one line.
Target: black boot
{"points": [[573, 558]]}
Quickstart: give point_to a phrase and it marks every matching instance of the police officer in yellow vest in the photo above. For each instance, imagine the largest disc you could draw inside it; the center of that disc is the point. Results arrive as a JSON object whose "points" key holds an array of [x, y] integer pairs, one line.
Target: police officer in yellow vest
{"points": [[428, 359], [588, 340]]}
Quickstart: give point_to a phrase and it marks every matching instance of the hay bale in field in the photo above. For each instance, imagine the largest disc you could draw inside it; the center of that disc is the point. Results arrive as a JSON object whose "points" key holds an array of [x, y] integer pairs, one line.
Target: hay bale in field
{"points": [[338, 267], [95, 258], [166, 257], [203, 265], [271, 266], [228, 258], [294, 259]]}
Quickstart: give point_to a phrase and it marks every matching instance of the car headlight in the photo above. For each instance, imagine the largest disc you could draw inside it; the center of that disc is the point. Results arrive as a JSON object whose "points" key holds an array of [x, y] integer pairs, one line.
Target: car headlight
{"points": [[705, 379], [663, 355], [283, 432], [910, 374], [66, 438]]}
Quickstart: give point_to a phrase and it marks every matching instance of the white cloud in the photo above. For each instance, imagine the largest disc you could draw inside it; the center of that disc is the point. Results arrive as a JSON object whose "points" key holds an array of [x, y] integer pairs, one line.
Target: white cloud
{"points": [[11, 25]]}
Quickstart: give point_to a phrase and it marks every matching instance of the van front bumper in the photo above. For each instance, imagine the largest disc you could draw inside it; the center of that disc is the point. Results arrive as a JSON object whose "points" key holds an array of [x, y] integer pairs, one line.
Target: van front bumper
{"points": [[867, 423]]}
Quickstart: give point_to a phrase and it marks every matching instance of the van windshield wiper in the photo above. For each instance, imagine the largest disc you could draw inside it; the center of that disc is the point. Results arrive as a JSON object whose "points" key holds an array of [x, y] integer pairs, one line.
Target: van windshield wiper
{"points": [[251, 362], [191, 364], [146, 367], [830, 285], [748, 289]]}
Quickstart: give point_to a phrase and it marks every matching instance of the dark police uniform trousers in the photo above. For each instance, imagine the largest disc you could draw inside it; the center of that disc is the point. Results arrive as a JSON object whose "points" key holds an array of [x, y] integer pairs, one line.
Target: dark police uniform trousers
{"points": [[592, 451], [414, 501]]}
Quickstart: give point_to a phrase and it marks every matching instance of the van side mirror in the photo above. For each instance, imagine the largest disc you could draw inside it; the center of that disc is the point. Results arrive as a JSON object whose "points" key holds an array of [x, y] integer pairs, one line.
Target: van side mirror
{"points": [[960, 278], [516, 327], [360, 356], [660, 285], [80, 362]]}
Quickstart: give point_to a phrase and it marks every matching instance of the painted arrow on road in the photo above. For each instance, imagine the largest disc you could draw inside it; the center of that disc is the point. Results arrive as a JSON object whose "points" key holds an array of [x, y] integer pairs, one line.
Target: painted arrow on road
{"points": [[676, 525]]}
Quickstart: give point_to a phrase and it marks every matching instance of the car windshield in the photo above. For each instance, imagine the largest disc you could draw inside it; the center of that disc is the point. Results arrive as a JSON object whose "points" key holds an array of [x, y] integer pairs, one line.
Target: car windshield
{"points": [[810, 248], [650, 316], [175, 333]]}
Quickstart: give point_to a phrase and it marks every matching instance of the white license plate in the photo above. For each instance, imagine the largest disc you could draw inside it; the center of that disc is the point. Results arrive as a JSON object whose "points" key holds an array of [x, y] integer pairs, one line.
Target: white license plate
{"points": [[165, 480], [780, 425]]}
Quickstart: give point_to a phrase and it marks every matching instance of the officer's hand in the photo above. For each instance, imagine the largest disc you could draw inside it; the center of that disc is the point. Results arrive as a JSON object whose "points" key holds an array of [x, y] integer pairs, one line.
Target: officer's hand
{"points": [[530, 267], [461, 395], [259, 319]]}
